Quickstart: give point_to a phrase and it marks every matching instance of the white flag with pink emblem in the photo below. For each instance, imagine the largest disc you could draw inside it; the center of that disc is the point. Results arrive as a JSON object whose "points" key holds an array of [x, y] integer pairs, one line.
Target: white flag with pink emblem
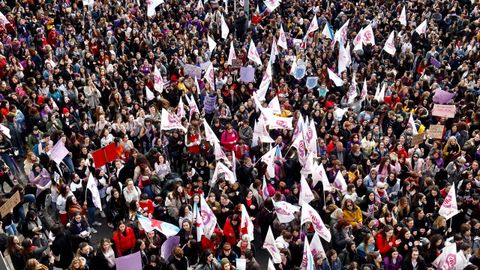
{"points": [[208, 217], [310, 135], [197, 216], [317, 247], [368, 36], [274, 104], [311, 215], [334, 77], [210, 75], [170, 122], [449, 206], [266, 80], [222, 169], [277, 122], [265, 193], [271, 247], [448, 259], [299, 144], [411, 123], [390, 44], [219, 154], [231, 54], [364, 89], [313, 25], [271, 5], [285, 211], [320, 175], [181, 109], [149, 94], [306, 194], [253, 53], [308, 262], [340, 183], [342, 59], [282, 38], [246, 223], [192, 104], [158, 80], [341, 34], [151, 5], [273, 51]]}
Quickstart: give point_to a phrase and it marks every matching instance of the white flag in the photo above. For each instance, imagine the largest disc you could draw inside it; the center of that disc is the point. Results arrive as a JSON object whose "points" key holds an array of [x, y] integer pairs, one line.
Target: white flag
{"points": [[342, 59], [92, 186], [368, 36], [299, 144], [170, 122], [199, 5], [225, 30], [192, 104], [158, 80], [317, 247], [341, 34], [274, 104], [380, 94], [358, 38], [210, 75], [306, 194], [242, 3], [219, 154], [209, 134], [412, 124], [311, 215], [265, 84], [273, 51], [299, 128], [310, 135], [271, 266], [390, 44], [334, 77], [211, 44], [282, 38], [352, 92], [231, 54], [270, 246], [88, 2], [151, 5], [313, 25], [328, 32], [253, 53], [285, 211], [364, 89], [403, 17], [271, 5], [265, 193], [181, 109], [197, 216], [269, 158], [340, 183], [449, 206], [6, 131], [320, 175], [308, 262], [58, 152], [447, 259], [246, 223], [422, 28], [277, 122], [149, 93], [208, 217], [219, 169]]}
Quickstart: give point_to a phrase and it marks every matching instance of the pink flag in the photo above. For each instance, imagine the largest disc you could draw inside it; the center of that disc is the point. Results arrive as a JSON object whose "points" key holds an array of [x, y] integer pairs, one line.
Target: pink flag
{"points": [[449, 206], [271, 247], [311, 215], [170, 122], [208, 217]]}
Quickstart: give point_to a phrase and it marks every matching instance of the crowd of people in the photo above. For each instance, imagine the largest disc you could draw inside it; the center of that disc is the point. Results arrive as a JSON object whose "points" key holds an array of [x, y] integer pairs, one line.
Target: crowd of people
{"points": [[83, 75]]}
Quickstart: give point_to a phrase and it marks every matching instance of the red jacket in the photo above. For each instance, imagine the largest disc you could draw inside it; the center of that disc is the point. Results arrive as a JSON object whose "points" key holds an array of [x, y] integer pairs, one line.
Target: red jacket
{"points": [[382, 244], [147, 206], [124, 242]]}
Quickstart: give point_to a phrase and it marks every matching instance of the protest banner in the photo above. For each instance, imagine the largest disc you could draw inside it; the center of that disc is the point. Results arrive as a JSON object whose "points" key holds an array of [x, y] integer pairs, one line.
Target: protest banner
{"points": [[129, 262], [7, 207], [105, 155], [247, 74], [192, 71], [436, 131], [447, 111]]}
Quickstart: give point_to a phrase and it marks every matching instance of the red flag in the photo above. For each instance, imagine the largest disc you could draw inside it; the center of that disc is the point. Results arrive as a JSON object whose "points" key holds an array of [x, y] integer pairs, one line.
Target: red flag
{"points": [[99, 158], [111, 153]]}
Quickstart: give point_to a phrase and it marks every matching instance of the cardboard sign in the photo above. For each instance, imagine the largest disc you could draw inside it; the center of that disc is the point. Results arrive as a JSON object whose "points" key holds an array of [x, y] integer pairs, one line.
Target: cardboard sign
{"points": [[417, 139], [447, 111], [10, 204], [237, 63], [436, 131]]}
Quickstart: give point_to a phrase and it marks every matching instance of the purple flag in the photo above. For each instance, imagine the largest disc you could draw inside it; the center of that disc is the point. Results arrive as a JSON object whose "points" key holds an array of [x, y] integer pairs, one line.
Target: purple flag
{"points": [[435, 62], [129, 262], [168, 246], [442, 96]]}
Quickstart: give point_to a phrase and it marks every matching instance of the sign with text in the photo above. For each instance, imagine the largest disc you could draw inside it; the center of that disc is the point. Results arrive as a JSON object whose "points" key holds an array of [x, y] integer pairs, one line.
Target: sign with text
{"points": [[436, 131], [7, 207], [417, 139], [447, 111]]}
